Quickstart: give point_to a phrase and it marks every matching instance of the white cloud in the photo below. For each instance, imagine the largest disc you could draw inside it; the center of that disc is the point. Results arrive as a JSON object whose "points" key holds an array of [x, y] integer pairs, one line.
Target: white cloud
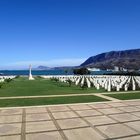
{"points": [[49, 63]]}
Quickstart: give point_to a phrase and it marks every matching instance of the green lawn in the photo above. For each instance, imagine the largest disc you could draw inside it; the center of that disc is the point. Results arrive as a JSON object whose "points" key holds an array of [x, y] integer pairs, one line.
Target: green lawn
{"points": [[23, 87], [49, 101], [125, 96]]}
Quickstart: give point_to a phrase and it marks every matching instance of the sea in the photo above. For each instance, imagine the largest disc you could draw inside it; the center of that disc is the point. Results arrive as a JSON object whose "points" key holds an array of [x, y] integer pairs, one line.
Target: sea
{"points": [[44, 72]]}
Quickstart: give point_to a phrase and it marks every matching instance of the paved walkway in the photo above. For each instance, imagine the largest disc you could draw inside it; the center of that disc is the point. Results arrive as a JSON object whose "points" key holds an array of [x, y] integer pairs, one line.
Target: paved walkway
{"points": [[119, 120]]}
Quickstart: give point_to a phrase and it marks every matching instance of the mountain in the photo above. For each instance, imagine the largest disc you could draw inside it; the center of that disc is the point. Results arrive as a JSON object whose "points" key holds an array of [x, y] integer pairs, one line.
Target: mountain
{"points": [[55, 68], [43, 68], [128, 59]]}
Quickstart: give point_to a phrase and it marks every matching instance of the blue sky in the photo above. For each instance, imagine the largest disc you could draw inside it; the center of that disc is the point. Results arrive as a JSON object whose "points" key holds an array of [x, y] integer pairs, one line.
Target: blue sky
{"points": [[65, 32]]}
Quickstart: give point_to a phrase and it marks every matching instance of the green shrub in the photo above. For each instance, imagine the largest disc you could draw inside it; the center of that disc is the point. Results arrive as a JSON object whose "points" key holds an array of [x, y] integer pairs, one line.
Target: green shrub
{"points": [[8, 80], [54, 79], [69, 82], [81, 71], [18, 76], [39, 77]]}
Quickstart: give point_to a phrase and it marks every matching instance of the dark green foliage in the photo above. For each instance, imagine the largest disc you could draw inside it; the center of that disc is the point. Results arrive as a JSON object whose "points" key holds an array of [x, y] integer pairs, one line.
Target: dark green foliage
{"points": [[69, 82], [8, 80], [18, 76], [55, 79], [39, 77], [5, 82], [81, 71]]}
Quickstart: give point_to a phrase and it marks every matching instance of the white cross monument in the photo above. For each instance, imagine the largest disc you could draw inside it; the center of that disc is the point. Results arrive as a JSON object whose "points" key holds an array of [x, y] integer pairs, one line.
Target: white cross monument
{"points": [[30, 73]]}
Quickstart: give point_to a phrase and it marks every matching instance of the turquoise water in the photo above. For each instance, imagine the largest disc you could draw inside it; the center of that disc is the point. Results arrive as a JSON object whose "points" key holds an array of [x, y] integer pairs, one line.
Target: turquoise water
{"points": [[43, 72], [34, 72]]}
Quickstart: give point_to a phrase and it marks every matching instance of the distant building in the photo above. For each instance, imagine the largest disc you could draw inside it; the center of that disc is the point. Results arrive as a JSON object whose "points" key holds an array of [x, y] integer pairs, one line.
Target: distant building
{"points": [[125, 69], [116, 68], [120, 69], [93, 69], [109, 69]]}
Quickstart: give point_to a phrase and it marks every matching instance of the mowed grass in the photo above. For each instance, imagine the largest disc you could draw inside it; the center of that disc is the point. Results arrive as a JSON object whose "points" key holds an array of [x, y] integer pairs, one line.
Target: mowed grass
{"points": [[125, 96], [49, 101], [23, 87]]}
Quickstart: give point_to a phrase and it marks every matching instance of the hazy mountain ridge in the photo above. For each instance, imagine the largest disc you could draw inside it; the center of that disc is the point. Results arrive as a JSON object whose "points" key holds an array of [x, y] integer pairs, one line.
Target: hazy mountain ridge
{"points": [[55, 68], [129, 59]]}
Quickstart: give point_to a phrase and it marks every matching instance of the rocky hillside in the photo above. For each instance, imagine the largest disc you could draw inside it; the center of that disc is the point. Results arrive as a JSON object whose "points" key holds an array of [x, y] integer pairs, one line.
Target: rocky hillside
{"points": [[129, 59]]}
